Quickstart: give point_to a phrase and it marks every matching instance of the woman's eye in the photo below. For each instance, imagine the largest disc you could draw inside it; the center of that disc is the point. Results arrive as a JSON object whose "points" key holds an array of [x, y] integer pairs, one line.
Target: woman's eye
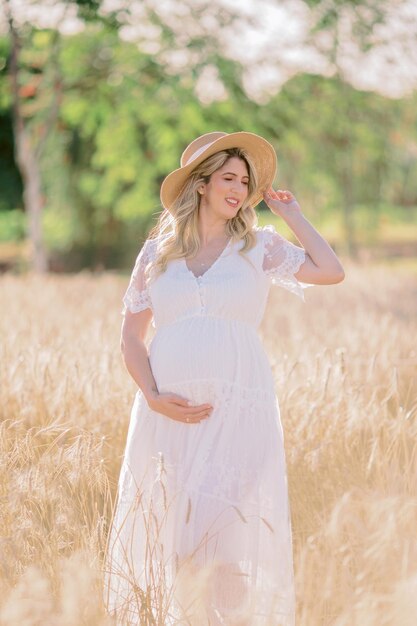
{"points": [[245, 182]]}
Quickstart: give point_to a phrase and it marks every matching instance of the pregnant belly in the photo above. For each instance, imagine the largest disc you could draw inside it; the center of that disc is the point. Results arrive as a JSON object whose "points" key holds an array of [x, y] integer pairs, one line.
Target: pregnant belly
{"points": [[201, 348]]}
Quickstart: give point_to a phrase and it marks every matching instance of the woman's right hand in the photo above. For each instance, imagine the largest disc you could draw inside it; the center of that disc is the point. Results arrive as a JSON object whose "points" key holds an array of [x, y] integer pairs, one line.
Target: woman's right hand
{"points": [[178, 408]]}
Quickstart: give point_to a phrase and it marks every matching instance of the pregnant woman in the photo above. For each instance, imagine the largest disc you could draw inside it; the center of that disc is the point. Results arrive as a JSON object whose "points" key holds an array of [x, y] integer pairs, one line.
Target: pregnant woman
{"points": [[202, 531]]}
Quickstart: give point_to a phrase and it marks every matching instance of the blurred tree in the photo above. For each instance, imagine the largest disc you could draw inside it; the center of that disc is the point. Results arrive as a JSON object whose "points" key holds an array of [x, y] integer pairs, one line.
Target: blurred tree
{"points": [[136, 86], [126, 121], [337, 142], [37, 89], [337, 26], [27, 97], [36, 95]]}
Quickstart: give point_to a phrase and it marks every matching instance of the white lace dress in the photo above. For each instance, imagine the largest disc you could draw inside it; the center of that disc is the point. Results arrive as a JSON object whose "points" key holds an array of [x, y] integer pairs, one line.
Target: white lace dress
{"points": [[214, 493]]}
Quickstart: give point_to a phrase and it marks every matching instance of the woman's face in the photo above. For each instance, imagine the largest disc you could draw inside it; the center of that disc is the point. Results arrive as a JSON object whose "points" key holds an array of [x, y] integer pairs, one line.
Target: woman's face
{"points": [[227, 189]]}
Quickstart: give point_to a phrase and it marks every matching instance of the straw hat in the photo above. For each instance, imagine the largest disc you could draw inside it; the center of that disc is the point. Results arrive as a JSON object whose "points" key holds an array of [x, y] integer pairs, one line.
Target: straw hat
{"points": [[260, 151]]}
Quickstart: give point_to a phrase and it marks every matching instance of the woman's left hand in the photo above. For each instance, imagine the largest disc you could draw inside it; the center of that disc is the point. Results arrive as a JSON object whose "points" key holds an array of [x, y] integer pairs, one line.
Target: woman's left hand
{"points": [[281, 202]]}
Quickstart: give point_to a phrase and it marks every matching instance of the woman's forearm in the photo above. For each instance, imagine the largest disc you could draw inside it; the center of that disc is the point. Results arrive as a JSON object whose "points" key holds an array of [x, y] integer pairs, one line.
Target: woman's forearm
{"points": [[322, 265], [136, 359], [317, 247]]}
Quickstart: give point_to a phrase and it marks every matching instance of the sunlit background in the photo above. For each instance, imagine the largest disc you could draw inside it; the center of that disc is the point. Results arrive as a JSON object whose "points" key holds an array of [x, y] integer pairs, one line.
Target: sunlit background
{"points": [[98, 99]]}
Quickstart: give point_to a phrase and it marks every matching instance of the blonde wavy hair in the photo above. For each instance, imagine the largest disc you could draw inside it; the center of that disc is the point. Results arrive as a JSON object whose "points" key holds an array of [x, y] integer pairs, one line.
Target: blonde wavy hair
{"points": [[177, 229]]}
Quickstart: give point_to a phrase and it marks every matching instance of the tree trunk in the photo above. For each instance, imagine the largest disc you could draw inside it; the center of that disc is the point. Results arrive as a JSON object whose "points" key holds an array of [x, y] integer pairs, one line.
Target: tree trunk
{"points": [[26, 160], [32, 197]]}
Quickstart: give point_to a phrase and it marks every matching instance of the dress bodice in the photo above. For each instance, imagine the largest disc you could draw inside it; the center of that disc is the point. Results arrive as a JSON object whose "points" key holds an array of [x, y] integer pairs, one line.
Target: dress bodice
{"points": [[234, 287]]}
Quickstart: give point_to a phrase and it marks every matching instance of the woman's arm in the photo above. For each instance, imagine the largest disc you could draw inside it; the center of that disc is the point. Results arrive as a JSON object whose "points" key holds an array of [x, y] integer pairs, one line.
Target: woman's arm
{"points": [[135, 354], [321, 267]]}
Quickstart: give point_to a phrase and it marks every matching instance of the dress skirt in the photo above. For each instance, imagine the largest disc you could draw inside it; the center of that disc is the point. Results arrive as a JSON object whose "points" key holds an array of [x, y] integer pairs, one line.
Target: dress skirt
{"points": [[202, 532]]}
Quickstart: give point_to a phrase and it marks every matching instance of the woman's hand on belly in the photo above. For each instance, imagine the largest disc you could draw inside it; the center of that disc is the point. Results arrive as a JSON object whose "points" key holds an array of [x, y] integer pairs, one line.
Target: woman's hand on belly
{"points": [[177, 408]]}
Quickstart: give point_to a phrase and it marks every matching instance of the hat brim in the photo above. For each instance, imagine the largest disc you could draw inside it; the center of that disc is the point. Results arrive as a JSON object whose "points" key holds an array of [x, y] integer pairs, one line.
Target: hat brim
{"points": [[259, 149]]}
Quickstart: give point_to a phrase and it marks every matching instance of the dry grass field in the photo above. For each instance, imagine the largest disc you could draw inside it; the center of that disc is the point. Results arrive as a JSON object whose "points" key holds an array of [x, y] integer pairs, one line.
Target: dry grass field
{"points": [[345, 365]]}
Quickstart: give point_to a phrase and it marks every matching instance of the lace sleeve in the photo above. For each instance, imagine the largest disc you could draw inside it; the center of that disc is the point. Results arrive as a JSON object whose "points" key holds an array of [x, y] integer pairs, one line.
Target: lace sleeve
{"points": [[282, 259], [136, 297]]}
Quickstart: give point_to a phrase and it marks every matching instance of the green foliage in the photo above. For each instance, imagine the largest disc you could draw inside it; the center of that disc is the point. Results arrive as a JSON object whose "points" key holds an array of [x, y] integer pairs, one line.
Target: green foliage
{"points": [[125, 120], [57, 229], [12, 225]]}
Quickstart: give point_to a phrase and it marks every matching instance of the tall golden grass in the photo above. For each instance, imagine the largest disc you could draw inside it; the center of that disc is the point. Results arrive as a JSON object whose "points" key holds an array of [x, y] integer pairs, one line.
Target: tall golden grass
{"points": [[345, 365]]}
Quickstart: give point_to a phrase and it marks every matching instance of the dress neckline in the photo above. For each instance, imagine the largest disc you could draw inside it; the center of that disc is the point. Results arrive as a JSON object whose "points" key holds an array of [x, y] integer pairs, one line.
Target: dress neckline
{"points": [[211, 266]]}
